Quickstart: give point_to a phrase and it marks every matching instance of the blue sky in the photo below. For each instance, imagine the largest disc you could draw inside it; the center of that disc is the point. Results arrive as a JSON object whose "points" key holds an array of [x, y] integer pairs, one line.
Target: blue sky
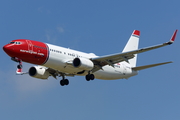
{"points": [[100, 27]]}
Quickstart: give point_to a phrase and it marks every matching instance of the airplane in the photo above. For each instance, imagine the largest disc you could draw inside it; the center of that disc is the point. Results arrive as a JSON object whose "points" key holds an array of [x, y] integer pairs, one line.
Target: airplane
{"points": [[56, 61]]}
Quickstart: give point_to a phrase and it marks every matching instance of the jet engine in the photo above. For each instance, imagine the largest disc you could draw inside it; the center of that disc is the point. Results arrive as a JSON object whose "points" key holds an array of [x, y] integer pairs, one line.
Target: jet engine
{"points": [[83, 63], [39, 72]]}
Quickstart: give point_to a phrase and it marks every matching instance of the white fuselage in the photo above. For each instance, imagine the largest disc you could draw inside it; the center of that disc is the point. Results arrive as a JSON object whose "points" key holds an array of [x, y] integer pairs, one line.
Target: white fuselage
{"points": [[61, 58]]}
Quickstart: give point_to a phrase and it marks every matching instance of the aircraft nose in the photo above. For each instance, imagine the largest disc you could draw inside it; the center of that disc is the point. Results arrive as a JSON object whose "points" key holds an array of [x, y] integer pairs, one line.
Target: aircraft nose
{"points": [[8, 49]]}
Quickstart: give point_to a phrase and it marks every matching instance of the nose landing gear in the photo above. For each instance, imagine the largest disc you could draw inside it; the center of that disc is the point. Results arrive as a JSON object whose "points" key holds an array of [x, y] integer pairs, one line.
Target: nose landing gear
{"points": [[20, 65], [19, 68]]}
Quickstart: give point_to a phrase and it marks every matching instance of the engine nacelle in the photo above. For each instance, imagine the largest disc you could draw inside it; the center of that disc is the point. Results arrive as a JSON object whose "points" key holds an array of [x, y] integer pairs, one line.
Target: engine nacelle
{"points": [[38, 72], [83, 63]]}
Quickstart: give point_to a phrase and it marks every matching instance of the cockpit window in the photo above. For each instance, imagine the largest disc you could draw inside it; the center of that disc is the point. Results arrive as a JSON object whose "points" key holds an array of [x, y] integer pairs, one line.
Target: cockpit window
{"points": [[17, 43], [11, 42]]}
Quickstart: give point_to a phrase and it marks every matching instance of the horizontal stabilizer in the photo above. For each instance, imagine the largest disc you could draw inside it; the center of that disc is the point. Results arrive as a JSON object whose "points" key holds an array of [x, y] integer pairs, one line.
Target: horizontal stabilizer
{"points": [[148, 66]]}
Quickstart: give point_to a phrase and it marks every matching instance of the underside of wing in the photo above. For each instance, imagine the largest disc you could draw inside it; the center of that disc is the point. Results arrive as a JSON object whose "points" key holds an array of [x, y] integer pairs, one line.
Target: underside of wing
{"points": [[55, 73]]}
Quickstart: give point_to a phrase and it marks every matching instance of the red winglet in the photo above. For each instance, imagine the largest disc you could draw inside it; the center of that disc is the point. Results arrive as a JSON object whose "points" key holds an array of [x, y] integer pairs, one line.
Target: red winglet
{"points": [[136, 32], [174, 36]]}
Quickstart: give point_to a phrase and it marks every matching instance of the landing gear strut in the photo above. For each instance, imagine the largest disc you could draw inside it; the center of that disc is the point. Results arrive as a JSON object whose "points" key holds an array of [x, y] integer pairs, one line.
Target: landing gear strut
{"points": [[64, 81], [89, 77], [20, 64], [19, 61]]}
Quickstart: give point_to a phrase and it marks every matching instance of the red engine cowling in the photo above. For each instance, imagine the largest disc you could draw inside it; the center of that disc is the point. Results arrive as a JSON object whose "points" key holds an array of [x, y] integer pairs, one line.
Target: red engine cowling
{"points": [[39, 72], [83, 64]]}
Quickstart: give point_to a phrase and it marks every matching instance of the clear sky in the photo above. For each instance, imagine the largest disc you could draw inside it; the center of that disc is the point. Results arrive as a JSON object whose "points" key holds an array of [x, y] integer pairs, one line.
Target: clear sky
{"points": [[101, 27]]}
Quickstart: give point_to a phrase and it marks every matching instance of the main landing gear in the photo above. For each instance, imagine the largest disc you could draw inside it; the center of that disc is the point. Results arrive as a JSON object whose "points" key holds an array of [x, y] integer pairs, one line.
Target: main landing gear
{"points": [[64, 81], [89, 77]]}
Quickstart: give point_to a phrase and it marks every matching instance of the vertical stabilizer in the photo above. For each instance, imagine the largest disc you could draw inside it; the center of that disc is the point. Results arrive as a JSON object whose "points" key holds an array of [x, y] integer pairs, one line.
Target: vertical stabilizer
{"points": [[131, 45]]}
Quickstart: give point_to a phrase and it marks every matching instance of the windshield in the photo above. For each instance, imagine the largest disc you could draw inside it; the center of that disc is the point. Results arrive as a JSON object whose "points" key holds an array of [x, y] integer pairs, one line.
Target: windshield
{"points": [[11, 42], [15, 43]]}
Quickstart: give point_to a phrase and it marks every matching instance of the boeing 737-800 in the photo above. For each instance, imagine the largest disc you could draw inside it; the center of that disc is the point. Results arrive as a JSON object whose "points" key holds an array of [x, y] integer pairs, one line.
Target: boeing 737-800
{"points": [[52, 60]]}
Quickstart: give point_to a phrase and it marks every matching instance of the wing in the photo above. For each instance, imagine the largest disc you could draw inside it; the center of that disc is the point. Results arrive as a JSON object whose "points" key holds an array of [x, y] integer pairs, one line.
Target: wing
{"points": [[125, 56]]}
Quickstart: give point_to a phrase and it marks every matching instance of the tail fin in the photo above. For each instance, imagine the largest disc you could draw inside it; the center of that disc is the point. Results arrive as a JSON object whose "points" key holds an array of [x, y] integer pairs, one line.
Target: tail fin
{"points": [[131, 45]]}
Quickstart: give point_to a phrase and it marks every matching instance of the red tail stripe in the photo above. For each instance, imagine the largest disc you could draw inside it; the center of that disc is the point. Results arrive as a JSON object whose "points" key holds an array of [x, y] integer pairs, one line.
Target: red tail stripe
{"points": [[136, 32]]}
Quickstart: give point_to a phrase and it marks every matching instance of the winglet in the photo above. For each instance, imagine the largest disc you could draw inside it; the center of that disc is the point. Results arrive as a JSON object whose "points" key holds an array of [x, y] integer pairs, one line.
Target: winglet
{"points": [[173, 37]]}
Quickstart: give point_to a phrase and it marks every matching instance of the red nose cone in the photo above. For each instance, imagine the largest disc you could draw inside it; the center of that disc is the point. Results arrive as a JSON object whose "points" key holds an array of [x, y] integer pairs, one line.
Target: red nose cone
{"points": [[5, 48], [9, 50]]}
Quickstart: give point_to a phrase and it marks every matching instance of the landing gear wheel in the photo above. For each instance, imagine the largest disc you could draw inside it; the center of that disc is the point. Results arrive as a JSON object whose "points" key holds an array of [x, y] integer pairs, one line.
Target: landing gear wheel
{"points": [[19, 66], [64, 82], [90, 77]]}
